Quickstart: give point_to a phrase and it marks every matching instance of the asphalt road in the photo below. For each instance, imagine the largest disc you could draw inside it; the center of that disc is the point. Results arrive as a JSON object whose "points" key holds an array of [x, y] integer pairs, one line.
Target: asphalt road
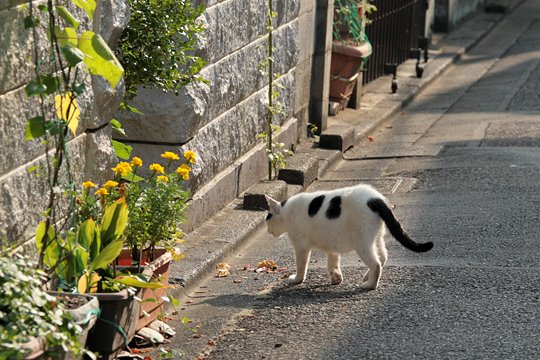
{"points": [[462, 166]]}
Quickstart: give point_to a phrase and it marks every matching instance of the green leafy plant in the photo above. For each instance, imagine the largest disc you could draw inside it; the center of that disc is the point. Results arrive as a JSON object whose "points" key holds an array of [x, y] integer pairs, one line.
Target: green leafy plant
{"points": [[275, 151], [350, 21], [156, 200], [27, 311], [157, 47]]}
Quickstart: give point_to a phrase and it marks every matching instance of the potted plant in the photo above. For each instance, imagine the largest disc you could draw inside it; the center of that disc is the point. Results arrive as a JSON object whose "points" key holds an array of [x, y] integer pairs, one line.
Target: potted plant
{"points": [[35, 323], [156, 200], [350, 49], [82, 259]]}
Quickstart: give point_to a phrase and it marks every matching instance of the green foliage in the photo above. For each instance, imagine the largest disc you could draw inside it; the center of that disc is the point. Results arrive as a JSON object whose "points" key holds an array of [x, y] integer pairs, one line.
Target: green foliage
{"points": [[57, 85], [156, 202], [350, 20], [275, 152], [27, 311], [157, 47]]}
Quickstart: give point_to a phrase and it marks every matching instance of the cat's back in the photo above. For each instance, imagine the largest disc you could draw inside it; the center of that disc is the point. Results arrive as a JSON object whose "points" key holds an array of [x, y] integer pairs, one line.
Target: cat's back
{"points": [[331, 204]]}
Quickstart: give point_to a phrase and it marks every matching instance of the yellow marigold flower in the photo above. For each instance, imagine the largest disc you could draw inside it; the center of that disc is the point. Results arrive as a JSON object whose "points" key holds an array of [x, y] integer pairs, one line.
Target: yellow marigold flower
{"points": [[170, 155], [88, 184], [157, 168], [136, 161], [184, 171], [110, 184], [163, 178], [102, 192], [122, 169], [190, 156]]}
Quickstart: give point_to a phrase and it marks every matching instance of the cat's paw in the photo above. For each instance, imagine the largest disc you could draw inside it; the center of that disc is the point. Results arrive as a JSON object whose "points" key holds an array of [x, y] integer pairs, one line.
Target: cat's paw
{"points": [[368, 286], [295, 280], [337, 278]]}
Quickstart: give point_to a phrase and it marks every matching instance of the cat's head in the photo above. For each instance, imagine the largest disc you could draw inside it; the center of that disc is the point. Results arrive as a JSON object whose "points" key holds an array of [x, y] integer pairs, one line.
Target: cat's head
{"points": [[275, 221]]}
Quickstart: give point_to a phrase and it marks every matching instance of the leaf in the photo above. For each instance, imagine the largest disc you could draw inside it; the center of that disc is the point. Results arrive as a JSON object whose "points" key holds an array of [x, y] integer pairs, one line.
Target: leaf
{"points": [[124, 106], [67, 110], [86, 234], [223, 270], [52, 251], [67, 17], [114, 221], [132, 280], [83, 283], [68, 36], [107, 255], [72, 54], [34, 87], [132, 178], [89, 6], [35, 128], [50, 82], [122, 150], [267, 265], [117, 126], [99, 58]]}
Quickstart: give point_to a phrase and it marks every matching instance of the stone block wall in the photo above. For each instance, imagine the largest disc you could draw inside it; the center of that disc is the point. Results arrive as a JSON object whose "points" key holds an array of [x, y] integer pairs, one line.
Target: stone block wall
{"points": [[220, 120], [23, 195]]}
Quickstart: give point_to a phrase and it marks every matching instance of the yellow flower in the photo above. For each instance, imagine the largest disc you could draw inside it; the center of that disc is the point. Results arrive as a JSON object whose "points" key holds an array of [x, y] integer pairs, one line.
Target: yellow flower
{"points": [[110, 184], [136, 161], [170, 156], [163, 178], [157, 168], [122, 169], [88, 184], [102, 192], [190, 156], [184, 171]]}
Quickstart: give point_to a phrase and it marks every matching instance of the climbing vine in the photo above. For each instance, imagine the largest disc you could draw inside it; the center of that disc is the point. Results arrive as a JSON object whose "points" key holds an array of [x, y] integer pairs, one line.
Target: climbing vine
{"points": [[276, 152], [60, 80]]}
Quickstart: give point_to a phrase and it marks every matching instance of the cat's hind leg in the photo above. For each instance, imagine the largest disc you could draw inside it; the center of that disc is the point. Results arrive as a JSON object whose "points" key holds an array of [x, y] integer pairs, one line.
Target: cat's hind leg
{"points": [[371, 259], [333, 268], [302, 260], [381, 252]]}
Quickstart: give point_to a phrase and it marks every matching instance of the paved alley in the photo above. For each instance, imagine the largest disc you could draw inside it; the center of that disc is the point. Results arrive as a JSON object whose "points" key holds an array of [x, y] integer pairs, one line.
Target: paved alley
{"points": [[461, 163]]}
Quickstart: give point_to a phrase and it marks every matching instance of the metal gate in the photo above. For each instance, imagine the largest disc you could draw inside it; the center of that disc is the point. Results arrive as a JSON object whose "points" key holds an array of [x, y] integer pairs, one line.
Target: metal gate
{"points": [[396, 33]]}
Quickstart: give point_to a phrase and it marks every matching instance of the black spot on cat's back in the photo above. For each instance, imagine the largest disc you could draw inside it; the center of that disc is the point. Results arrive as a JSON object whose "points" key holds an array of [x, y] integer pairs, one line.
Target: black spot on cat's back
{"points": [[315, 205], [334, 208]]}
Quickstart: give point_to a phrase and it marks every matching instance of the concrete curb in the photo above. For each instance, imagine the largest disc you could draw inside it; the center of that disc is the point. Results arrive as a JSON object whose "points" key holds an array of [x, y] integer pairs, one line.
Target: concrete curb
{"points": [[227, 231]]}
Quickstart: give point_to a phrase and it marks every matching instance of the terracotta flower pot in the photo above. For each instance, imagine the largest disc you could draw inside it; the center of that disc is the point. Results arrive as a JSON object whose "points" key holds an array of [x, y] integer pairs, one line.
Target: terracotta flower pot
{"points": [[158, 268], [345, 68]]}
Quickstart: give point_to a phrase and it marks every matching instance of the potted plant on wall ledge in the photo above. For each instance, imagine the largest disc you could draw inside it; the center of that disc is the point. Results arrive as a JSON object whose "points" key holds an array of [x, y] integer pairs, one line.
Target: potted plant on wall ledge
{"points": [[350, 49]]}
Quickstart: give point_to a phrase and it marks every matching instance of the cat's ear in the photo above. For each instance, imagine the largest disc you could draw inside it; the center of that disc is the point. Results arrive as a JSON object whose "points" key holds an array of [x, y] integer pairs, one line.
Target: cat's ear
{"points": [[274, 206]]}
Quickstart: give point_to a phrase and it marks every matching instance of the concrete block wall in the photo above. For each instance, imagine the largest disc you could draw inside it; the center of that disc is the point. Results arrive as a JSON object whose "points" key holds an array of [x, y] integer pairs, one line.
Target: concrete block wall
{"points": [[220, 120], [23, 195]]}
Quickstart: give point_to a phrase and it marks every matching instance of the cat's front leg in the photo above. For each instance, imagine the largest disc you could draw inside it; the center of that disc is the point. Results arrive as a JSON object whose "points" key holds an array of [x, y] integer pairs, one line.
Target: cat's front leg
{"points": [[302, 260]]}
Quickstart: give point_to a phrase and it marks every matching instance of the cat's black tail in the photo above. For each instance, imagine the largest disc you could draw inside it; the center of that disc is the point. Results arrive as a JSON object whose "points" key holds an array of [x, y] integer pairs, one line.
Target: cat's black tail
{"points": [[379, 206]]}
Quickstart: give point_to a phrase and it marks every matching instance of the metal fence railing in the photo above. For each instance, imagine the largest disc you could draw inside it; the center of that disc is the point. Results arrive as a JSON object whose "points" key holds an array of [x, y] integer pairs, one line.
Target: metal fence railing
{"points": [[396, 33]]}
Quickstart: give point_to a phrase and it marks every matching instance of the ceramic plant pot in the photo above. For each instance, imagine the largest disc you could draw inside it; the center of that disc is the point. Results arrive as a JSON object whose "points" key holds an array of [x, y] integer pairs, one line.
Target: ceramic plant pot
{"points": [[117, 323]]}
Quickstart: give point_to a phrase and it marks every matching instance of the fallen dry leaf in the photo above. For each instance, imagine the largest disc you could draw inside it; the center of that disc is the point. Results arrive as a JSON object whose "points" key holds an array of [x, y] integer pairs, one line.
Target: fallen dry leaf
{"points": [[370, 138], [267, 266], [211, 342], [223, 270], [389, 126]]}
